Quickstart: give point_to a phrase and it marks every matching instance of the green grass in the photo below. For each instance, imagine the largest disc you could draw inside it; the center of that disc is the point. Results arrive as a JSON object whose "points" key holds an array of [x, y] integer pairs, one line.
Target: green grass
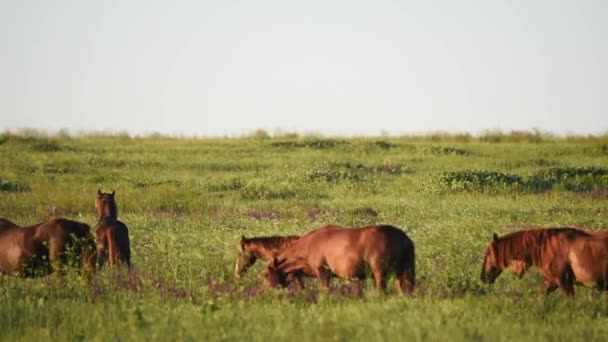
{"points": [[188, 201]]}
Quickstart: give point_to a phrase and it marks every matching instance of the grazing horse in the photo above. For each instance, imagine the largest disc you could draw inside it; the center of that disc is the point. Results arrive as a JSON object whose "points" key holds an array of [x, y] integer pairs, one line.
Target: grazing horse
{"points": [[565, 256], [263, 248], [111, 235], [519, 267], [346, 252], [45, 247]]}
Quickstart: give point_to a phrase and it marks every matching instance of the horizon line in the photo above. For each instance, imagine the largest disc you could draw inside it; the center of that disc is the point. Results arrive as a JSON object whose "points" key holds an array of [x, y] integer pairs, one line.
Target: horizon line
{"points": [[262, 133]]}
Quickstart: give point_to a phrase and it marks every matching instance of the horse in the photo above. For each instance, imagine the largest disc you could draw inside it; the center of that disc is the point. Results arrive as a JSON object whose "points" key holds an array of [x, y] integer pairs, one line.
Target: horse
{"points": [[566, 256], [519, 267], [263, 248], [346, 252], [111, 235], [44, 248]]}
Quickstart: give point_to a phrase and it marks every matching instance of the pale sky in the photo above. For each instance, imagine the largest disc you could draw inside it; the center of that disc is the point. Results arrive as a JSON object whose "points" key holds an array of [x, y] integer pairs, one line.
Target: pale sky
{"points": [[331, 67]]}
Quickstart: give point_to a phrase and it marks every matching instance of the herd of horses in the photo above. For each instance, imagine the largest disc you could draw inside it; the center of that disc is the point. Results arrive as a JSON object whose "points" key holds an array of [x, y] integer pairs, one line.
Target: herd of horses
{"points": [[565, 256]]}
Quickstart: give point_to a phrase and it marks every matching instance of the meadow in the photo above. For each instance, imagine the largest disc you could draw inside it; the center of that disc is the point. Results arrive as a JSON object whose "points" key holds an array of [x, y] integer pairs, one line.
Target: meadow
{"points": [[188, 201]]}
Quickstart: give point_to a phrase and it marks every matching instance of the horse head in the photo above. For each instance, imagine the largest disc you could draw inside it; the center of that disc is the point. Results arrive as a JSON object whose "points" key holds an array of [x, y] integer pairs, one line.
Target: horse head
{"points": [[246, 257], [105, 204], [491, 268]]}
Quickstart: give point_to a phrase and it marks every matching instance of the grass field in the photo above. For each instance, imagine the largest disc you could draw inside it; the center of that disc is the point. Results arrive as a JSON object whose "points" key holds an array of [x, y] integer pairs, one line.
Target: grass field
{"points": [[188, 201]]}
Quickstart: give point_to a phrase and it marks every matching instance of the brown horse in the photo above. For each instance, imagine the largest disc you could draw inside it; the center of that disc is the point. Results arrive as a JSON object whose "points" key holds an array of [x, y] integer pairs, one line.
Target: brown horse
{"points": [[263, 248], [346, 252], [111, 235], [519, 267], [45, 247], [565, 256]]}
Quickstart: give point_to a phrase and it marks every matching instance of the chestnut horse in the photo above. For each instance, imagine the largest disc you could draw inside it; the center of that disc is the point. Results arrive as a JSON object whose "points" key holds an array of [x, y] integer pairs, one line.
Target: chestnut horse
{"points": [[45, 247], [111, 235], [263, 248], [519, 267], [346, 252], [565, 256]]}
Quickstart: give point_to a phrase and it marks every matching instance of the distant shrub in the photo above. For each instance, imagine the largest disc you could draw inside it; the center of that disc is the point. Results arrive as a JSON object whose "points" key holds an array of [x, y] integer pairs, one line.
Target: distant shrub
{"points": [[231, 184], [534, 136], [263, 191], [482, 180], [260, 134], [364, 211], [353, 172], [144, 183], [447, 150], [381, 144], [50, 170], [541, 162], [570, 178], [577, 179], [559, 174], [312, 143], [287, 144], [332, 175], [474, 180], [8, 186]]}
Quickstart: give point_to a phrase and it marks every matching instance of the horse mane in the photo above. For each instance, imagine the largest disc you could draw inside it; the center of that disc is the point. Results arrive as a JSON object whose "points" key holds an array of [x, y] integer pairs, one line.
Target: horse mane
{"points": [[274, 242], [529, 245]]}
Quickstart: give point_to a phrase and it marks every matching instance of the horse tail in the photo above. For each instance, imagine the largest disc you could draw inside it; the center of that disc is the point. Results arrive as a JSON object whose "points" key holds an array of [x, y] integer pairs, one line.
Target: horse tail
{"points": [[407, 277], [124, 245]]}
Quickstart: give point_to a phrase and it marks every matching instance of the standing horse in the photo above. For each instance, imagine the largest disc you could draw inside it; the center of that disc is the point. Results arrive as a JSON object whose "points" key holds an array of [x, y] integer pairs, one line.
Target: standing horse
{"points": [[263, 248], [45, 247], [346, 252], [111, 235], [565, 256]]}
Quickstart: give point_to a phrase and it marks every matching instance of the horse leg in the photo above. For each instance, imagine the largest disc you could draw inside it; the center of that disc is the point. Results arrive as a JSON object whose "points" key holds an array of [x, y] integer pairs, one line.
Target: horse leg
{"points": [[55, 258], [407, 281], [296, 279], [548, 287], [322, 276], [111, 247], [566, 282], [380, 277]]}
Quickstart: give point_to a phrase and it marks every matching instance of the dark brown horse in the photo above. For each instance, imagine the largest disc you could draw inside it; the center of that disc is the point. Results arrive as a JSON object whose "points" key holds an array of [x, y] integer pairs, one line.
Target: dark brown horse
{"points": [[347, 252], [263, 248], [565, 256], [111, 235], [45, 247]]}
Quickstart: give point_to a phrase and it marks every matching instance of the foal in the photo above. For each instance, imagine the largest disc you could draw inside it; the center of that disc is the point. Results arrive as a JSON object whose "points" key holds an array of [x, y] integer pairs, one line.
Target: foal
{"points": [[111, 235]]}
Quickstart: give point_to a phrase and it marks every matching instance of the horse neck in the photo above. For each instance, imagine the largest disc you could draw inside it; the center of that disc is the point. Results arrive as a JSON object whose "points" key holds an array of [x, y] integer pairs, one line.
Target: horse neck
{"points": [[267, 249], [525, 244], [108, 212], [259, 250]]}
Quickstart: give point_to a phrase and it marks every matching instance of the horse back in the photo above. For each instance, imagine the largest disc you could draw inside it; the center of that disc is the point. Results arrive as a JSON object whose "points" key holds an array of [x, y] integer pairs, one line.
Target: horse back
{"points": [[112, 229], [331, 242]]}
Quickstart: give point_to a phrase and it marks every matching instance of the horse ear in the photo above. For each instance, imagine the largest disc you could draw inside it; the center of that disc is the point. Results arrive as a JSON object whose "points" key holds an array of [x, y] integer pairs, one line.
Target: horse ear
{"points": [[495, 237], [98, 192], [113, 192]]}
